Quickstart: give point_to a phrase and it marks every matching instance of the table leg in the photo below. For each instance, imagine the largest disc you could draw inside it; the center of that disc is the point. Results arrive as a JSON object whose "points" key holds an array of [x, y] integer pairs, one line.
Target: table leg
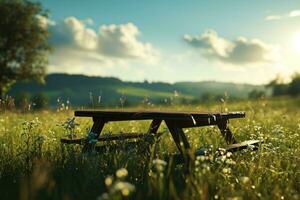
{"points": [[96, 129], [226, 132], [182, 144], [98, 125], [179, 137], [154, 126]]}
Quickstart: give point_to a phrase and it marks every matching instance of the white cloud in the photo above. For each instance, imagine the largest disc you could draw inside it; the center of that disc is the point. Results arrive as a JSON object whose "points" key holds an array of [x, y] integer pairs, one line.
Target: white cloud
{"points": [[72, 33], [76, 45], [121, 41], [294, 13], [273, 17], [291, 14], [238, 52]]}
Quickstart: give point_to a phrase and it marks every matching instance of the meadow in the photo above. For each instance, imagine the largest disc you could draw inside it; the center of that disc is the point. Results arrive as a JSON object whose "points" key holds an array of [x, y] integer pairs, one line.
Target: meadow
{"points": [[35, 165]]}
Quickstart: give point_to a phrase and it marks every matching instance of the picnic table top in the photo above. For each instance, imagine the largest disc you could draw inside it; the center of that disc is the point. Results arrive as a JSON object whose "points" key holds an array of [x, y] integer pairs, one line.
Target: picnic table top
{"points": [[118, 115]]}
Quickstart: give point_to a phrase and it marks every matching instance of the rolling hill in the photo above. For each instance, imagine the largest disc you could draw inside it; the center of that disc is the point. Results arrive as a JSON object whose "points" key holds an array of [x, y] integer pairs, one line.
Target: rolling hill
{"points": [[109, 91]]}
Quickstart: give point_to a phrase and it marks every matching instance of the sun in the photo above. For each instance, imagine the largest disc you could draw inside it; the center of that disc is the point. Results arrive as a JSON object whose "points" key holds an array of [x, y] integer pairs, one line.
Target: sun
{"points": [[296, 42]]}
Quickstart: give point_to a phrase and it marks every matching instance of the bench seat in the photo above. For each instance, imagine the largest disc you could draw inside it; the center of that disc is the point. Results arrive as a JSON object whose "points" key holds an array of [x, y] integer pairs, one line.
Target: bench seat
{"points": [[107, 137]]}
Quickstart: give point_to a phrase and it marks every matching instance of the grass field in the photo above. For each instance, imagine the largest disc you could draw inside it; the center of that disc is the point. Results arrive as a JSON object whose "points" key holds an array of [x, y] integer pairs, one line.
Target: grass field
{"points": [[34, 164], [142, 93]]}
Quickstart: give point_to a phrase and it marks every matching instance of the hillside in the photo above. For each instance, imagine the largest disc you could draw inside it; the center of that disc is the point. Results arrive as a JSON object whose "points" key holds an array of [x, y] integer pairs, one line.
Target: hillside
{"points": [[82, 90]]}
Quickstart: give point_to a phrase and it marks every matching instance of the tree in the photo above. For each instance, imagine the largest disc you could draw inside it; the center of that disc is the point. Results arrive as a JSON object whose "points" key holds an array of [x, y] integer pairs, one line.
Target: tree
{"points": [[278, 86], [256, 94], [23, 42], [40, 101], [294, 86]]}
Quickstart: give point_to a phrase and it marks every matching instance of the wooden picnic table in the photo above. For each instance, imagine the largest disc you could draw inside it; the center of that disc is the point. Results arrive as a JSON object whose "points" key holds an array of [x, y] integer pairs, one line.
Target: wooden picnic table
{"points": [[175, 122]]}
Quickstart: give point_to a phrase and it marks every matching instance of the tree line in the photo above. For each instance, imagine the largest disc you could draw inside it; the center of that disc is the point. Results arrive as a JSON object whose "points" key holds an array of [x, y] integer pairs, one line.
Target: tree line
{"points": [[280, 88]]}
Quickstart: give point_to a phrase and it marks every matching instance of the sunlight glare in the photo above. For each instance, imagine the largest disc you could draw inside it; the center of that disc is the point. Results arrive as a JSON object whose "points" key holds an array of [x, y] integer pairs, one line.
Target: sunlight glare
{"points": [[296, 42]]}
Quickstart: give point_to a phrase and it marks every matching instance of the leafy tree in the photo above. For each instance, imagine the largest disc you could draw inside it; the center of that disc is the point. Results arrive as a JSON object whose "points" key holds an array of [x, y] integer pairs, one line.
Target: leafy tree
{"points": [[278, 87], [294, 86], [256, 94], [40, 101], [23, 42]]}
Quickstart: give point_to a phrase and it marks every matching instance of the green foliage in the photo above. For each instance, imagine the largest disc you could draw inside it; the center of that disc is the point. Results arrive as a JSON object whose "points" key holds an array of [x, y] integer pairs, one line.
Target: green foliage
{"points": [[22, 101], [294, 86], [256, 94], [23, 42], [39, 101], [207, 97], [279, 88], [34, 164]]}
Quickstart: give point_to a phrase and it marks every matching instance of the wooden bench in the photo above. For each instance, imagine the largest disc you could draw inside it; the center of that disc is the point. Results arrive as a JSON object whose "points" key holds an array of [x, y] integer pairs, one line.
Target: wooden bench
{"points": [[175, 122]]}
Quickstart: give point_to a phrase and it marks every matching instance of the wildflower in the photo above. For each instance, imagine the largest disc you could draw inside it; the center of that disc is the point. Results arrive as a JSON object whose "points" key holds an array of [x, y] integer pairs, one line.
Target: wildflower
{"points": [[221, 151], [121, 173], [251, 147], [245, 179], [226, 170], [205, 168], [108, 181], [228, 154], [201, 158], [222, 159], [159, 164], [124, 187], [230, 162]]}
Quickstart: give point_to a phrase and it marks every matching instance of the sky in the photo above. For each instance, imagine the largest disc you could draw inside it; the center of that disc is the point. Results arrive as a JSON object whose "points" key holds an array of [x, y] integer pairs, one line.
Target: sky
{"points": [[175, 40]]}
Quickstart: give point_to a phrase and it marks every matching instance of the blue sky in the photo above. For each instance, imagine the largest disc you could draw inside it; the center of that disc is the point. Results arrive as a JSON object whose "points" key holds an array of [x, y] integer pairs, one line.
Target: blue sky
{"points": [[239, 41]]}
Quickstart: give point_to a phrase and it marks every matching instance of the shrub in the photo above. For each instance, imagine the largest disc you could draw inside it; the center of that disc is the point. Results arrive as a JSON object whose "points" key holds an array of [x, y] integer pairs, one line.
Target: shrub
{"points": [[40, 101]]}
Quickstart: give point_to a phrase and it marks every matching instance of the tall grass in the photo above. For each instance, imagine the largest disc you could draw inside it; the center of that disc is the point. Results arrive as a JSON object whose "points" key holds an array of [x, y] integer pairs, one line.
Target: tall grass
{"points": [[35, 165]]}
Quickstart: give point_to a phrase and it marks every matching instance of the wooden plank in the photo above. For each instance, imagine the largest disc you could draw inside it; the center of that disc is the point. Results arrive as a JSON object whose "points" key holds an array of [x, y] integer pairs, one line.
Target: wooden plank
{"points": [[104, 138], [146, 115], [243, 145]]}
